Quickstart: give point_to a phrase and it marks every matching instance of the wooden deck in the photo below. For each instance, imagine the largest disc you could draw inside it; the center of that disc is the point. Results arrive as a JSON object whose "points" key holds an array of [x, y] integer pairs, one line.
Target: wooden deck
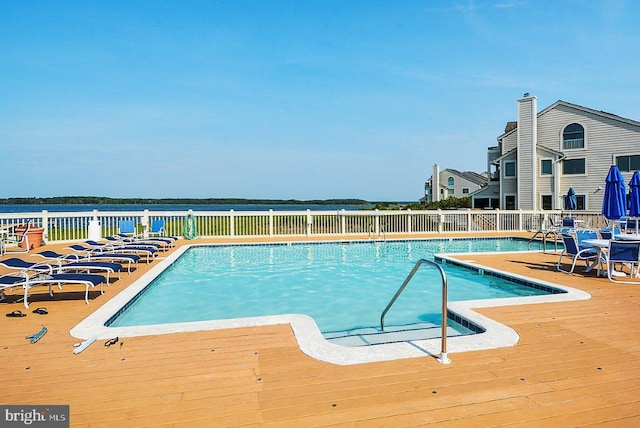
{"points": [[577, 364]]}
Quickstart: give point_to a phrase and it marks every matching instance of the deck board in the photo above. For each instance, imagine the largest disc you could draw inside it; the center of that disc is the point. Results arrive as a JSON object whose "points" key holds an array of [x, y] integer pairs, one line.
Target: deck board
{"points": [[576, 364]]}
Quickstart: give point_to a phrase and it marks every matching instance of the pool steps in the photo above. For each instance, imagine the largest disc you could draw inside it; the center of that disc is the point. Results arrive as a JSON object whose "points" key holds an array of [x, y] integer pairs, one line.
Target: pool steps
{"points": [[367, 336]]}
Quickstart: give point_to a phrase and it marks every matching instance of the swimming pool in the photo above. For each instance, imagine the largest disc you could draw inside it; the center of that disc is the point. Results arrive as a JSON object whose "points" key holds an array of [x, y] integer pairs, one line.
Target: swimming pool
{"points": [[99, 324], [343, 286]]}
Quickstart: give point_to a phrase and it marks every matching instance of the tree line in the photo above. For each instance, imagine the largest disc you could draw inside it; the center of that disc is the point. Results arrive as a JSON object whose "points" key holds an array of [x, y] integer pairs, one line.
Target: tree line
{"points": [[445, 204], [102, 200]]}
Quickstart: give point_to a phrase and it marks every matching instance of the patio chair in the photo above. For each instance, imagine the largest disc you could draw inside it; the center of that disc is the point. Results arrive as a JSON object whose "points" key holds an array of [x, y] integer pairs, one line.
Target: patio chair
{"points": [[626, 253], [568, 224], [127, 228], [609, 232], [27, 283], [17, 240], [631, 225], [157, 229], [572, 249], [52, 255], [127, 233], [622, 221], [584, 234]]}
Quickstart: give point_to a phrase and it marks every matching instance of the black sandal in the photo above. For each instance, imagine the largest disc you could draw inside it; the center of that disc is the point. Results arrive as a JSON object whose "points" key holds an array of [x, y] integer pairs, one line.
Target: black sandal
{"points": [[111, 342], [41, 311], [16, 314]]}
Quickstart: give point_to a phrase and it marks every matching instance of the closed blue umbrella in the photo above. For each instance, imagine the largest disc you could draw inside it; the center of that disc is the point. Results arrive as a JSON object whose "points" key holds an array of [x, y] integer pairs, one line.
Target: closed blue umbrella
{"points": [[614, 204], [570, 201], [634, 197], [634, 193]]}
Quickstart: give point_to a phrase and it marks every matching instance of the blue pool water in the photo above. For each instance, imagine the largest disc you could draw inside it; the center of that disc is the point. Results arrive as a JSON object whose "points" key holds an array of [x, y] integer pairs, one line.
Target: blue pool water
{"points": [[341, 286]]}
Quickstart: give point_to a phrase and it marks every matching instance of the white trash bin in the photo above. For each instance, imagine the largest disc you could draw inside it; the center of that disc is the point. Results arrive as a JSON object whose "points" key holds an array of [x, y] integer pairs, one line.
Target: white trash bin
{"points": [[95, 230]]}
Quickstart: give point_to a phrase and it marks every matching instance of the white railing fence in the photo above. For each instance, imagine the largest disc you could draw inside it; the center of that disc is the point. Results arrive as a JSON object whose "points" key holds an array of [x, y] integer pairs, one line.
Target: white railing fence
{"points": [[74, 226]]}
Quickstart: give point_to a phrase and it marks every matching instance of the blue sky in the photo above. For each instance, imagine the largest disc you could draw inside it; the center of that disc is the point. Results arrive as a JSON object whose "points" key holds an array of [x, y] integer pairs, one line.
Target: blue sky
{"points": [[279, 99]]}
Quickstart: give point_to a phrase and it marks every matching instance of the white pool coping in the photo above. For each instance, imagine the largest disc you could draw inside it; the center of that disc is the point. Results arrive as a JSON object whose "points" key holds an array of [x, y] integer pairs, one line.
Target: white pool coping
{"points": [[310, 338]]}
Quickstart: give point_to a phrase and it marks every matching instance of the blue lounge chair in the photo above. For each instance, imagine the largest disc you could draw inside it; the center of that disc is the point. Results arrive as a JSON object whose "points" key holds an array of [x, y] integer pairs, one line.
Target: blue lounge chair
{"points": [[27, 283], [91, 257], [123, 241], [52, 255], [23, 265], [91, 253], [96, 247], [116, 244], [75, 266], [7, 282], [572, 249]]}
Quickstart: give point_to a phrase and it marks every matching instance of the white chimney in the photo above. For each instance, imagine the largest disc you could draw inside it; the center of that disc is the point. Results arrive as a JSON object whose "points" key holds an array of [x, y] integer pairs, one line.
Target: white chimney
{"points": [[435, 183], [527, 141]]}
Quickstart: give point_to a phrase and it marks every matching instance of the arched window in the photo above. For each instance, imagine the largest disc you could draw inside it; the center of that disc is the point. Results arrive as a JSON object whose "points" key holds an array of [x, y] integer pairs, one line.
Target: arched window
{"points": [[451, 181], [573, 137]]}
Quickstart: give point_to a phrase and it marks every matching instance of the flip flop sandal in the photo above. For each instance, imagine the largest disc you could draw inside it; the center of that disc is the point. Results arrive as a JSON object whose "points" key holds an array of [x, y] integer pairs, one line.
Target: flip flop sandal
{"points": [[16, 314], [33, 338], [41, 311], [111, 342]]}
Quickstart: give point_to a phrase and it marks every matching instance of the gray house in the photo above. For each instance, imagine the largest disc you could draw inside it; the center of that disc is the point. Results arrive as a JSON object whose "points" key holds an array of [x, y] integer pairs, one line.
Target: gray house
{"points": [[565, 145], [451, 183]]}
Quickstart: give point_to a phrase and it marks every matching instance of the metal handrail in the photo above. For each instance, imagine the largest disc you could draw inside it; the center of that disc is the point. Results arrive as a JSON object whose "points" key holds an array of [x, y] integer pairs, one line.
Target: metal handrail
{"points": [[382, 232], [545, 234], [443, 351]]}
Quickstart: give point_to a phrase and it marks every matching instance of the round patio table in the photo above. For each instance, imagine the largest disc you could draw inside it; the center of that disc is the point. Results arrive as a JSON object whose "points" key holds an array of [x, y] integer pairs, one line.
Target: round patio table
{"points": [[628, 236]]}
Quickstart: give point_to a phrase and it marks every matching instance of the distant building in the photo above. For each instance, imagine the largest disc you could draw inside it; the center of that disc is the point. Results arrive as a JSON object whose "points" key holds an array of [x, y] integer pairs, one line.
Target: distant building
{"points": [[451, 183], [565, 145]]}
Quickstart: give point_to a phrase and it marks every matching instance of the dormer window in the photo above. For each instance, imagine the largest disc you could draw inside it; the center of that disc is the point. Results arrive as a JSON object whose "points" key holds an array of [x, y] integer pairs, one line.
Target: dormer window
{"points": [[573, 137]]}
